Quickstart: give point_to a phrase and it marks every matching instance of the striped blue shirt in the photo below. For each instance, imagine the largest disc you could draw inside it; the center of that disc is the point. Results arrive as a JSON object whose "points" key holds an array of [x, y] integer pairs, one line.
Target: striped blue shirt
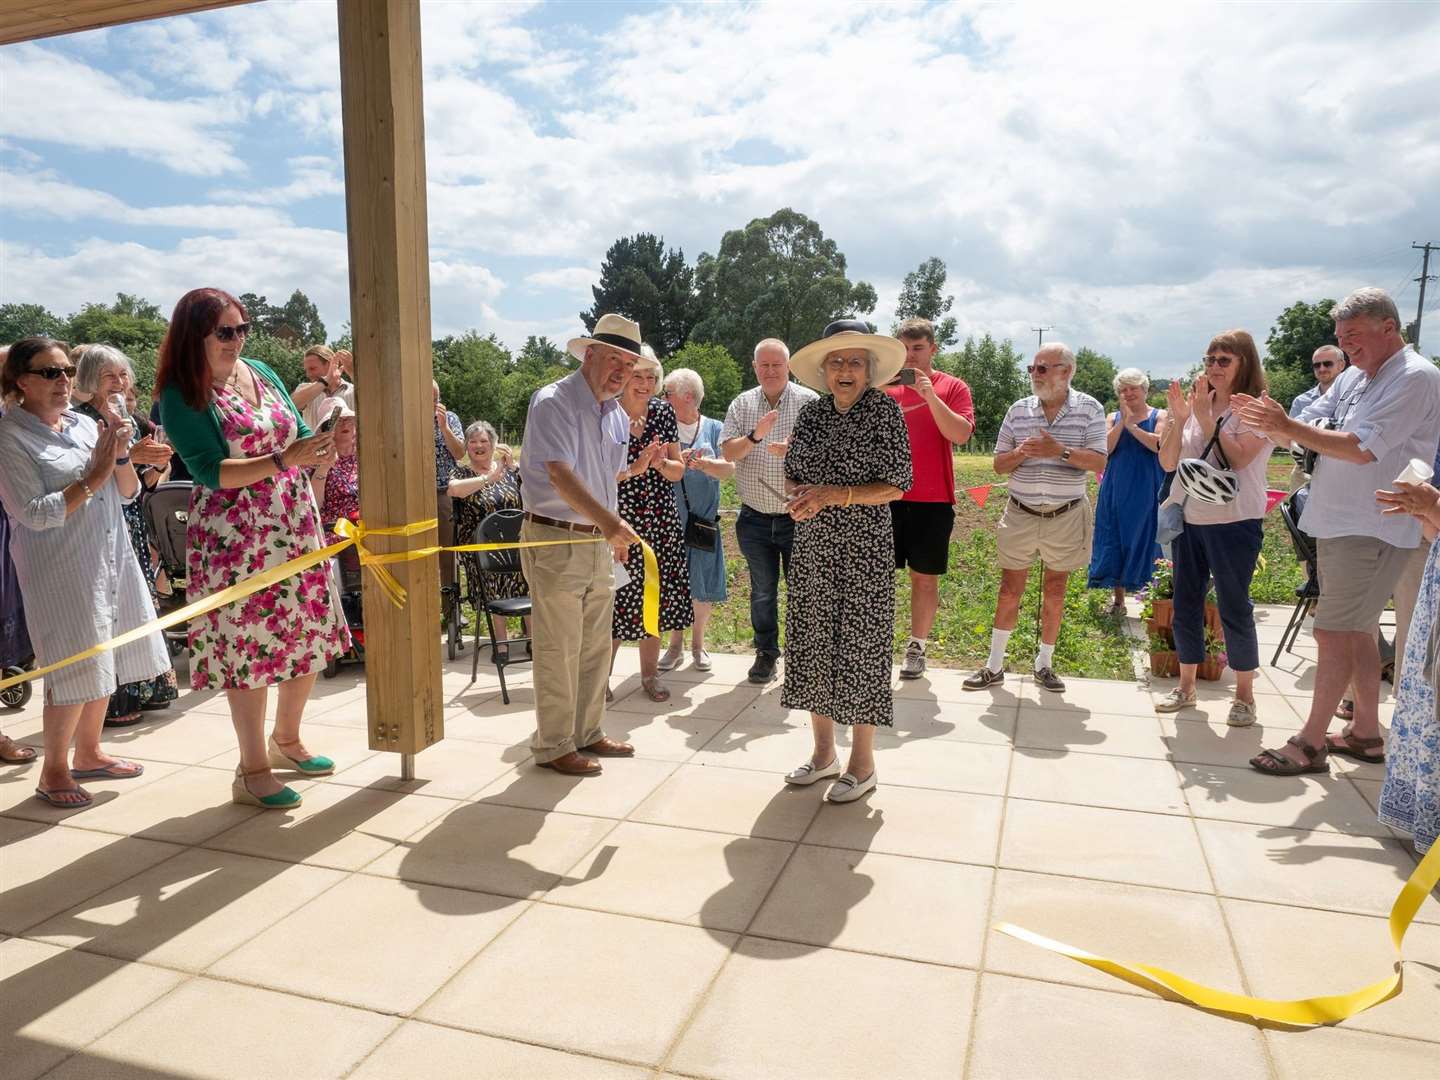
{"points": [[1080, 425]]}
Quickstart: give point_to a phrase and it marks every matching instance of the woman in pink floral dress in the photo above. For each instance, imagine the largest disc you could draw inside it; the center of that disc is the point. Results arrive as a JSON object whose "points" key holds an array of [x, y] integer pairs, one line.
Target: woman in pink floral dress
{"points": [[248, 450]]}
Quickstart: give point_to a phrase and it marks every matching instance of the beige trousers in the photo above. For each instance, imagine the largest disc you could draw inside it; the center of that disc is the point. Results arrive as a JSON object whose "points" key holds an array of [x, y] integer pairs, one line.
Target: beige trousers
{"points": [[572, 601]]}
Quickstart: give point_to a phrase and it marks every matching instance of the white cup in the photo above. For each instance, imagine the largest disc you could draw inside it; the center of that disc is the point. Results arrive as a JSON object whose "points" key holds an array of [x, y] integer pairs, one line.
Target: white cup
{"points": [[1417, 472]]}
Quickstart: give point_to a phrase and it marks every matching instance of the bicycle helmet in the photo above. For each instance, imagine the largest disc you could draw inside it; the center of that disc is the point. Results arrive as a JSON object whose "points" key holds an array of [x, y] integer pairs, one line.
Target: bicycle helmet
{"points": [[1203, 481]]}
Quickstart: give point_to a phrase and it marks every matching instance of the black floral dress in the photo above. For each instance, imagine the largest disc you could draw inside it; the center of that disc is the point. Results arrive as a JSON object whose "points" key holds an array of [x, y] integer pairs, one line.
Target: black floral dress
{"points": [[840, 588], [503, 494], [647, 503]]}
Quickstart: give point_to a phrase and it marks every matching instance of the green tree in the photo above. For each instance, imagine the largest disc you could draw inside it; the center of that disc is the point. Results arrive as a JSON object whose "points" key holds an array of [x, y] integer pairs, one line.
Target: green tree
{"points": [[777, 277], [259, 311], [718, 370], [282, 355], [921, 297], [302, 318], [1095, 375], [129, 324], [24, 320], [1298, 331], [643, 281], [540, 354], [1283, 383], [471, 370], [992, 371]]}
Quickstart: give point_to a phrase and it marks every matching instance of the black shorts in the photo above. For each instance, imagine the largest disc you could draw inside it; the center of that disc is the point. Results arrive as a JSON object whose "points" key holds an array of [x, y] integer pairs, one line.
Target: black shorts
{"points": [[922, 535]]}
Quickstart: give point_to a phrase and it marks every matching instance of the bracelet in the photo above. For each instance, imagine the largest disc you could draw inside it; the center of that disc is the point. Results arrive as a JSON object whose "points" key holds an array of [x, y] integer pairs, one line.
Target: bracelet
{"points": [[122, 460], [849, 494]]}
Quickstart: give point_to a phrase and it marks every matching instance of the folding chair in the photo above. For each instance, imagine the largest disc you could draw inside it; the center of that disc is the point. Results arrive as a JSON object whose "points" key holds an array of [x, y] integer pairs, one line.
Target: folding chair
{"points": [[166, 512], [1307, 594], [500, 527]]}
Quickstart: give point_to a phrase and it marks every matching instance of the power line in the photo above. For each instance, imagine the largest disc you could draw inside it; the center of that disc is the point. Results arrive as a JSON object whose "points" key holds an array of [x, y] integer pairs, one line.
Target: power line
{"points": [[1425, 276], [1041, 330]]}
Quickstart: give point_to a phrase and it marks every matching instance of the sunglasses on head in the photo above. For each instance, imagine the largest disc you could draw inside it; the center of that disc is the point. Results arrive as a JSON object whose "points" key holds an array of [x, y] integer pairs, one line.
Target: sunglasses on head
{"points": [[1218, 361], [50, 374], [1041, 369], [1319, 364], [230, 333]]}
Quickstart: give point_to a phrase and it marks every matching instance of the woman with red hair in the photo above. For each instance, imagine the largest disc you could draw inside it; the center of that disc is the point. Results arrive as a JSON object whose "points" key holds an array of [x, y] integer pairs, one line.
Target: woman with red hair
{"points": [[248, 450]]}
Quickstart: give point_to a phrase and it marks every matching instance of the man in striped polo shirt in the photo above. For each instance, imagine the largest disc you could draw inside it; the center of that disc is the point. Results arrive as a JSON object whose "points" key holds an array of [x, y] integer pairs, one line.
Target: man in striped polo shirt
{"points": [[1047, 443]]}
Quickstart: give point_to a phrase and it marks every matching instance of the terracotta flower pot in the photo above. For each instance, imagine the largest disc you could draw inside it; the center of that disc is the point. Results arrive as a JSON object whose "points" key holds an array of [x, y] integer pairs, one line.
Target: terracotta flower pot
{"points": [[1162, 613], [1210, 670], [1165, 663], [1212, 621]]}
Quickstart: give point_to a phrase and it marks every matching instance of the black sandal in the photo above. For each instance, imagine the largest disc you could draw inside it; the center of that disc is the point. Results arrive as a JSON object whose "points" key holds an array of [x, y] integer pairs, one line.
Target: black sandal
{"points": [[1354, 746], [1275, 763]]}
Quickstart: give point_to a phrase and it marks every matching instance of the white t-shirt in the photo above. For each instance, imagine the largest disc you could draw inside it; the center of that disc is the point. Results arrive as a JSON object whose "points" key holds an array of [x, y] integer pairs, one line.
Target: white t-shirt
{"points": [[688, 432], [1250, 502]]}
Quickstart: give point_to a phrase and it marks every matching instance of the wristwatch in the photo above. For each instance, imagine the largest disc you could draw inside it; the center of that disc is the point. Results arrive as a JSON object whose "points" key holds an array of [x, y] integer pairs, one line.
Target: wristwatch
{"points": [[751, 436], [1065, 454]]}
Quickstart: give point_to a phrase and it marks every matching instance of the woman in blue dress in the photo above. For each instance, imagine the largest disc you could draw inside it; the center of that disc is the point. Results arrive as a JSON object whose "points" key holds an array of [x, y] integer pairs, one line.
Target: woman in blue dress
{"points": [[1124, 553], [698, 493]]}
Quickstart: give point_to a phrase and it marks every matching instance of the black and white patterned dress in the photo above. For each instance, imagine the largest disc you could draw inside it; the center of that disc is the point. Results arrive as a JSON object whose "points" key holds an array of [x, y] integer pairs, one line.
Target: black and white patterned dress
{"points": [[840, 599], [647, 503]]}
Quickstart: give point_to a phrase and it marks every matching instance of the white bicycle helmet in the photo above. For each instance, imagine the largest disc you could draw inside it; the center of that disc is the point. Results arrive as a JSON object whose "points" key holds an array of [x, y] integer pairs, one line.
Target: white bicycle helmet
{"points": [[1203, 481]]}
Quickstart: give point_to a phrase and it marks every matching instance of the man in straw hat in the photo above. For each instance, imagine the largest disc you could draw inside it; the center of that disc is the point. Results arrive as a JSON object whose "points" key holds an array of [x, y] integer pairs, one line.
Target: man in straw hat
{"points": [[576, 439]]}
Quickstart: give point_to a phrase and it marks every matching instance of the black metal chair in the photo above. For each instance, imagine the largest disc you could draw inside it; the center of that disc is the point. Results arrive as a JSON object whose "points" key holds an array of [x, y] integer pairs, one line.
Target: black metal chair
{"points": [[1308, 594], [499, 527], [166, 511]]}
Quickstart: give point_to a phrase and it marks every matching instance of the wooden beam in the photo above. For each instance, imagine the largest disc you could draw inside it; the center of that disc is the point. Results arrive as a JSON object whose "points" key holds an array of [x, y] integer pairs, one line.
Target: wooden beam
{"points": [[390, 319], [24, 20]]}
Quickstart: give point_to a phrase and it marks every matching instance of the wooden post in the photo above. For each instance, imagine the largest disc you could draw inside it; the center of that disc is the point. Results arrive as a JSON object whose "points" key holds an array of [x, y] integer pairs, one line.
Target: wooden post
{"points": [[390, 319]]}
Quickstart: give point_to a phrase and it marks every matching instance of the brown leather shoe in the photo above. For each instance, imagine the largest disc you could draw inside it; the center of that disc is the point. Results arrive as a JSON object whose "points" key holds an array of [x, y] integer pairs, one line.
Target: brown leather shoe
{"points": [[572, 764], [608, 747]]}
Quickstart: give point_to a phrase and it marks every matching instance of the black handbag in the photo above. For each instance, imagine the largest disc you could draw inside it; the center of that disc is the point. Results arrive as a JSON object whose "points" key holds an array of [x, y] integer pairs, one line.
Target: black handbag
{"points": [[702, 534]]}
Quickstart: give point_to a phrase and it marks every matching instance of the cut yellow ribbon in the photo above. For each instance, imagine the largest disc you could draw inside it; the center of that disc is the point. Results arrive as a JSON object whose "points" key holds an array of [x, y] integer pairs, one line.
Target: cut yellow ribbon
{"points": [[1300, 1012]]}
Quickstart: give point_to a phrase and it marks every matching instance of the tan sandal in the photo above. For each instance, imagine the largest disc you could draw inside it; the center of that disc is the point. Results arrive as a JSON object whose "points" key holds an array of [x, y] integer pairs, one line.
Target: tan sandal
{"points": [[653, 690], [1354, 746], [1275, 763], [13, 753]]}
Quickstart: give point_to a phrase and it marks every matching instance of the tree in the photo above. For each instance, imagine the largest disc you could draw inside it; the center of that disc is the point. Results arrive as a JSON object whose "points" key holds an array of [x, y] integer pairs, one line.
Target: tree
{"points": [[302, 318], [920, 298], [1283, 383], [258, 311], [777, 277], [538, 354], [1095, 375], [992, 371], [643, 281], [470, 370], [130, 324], [25, 320], [285, 357], [717, 369], [1298, 331]]}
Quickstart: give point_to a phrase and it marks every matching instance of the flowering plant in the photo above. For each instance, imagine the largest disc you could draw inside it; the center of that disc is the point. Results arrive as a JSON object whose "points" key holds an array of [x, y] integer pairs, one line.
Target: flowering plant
{"points": [[1162, 582]]}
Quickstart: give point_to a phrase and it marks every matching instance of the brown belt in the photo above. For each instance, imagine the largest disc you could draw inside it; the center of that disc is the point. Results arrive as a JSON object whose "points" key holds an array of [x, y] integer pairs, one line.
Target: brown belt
{"points": [[1046, 513], [573, 526]]}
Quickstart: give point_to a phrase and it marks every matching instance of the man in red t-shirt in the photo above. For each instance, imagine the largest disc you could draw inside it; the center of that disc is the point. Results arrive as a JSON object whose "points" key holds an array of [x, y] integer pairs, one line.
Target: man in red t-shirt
{"points": [[939, 415]]}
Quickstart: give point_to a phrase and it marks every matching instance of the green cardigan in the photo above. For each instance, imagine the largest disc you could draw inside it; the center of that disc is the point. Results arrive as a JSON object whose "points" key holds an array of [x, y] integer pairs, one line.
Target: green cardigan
{"points": [[196, 433]]}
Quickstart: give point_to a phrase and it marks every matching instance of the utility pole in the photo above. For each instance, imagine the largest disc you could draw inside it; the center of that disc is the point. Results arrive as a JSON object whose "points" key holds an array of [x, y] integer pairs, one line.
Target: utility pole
{"points": [[1041, 331], [1422, 279]]}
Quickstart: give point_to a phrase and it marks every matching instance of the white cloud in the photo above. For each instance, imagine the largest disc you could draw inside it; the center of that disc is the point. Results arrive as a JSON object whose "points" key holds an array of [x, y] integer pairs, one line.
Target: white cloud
{"points": [[575, 279], [312, 177], [45, 195]]}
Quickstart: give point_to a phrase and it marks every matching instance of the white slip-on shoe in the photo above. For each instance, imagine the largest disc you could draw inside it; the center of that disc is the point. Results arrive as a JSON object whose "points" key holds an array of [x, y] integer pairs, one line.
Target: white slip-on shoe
{"points": [[671, 660], [700, 660], [848, 789], [808, 773]]}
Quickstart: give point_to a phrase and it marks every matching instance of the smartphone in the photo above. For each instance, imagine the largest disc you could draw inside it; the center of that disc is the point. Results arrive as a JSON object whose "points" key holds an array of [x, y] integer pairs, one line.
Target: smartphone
{"points": [[906, 377], [330, 421]]}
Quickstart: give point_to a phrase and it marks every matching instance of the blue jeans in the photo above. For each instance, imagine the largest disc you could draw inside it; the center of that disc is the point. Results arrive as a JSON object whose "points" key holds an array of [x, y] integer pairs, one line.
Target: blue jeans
{"points": [[1229, 553], [765, 541]]}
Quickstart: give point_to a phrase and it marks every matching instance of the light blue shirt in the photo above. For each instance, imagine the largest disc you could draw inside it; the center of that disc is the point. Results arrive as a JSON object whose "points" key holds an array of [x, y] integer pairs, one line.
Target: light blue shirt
{"points": [[566, 423], [1396, 416], [1305, 399]]}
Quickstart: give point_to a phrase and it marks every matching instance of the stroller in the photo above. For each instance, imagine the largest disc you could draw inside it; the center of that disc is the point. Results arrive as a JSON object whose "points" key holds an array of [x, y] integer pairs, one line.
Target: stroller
{"points": [[346, 568], [16, 655], [166, 509]]}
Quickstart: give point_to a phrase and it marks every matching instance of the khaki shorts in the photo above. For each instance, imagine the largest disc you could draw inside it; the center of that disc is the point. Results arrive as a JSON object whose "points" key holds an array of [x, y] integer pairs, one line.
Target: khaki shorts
{"points": [[1063, 541], [1358, 575]]}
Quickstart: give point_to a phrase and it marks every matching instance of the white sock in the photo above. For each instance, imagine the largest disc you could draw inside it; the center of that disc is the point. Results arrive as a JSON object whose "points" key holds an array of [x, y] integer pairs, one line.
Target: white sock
{"points": [[917, 641], [1045, 657], [998, 640]]}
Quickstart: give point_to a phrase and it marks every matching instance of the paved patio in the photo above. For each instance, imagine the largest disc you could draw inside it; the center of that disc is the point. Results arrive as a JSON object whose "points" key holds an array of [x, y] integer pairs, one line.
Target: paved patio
{"points": [[687, 915]]}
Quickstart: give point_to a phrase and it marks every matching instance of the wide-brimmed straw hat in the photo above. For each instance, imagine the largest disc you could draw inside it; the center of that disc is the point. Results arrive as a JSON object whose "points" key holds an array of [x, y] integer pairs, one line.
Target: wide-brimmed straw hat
{"points": [[889, 353], [615, 331]]}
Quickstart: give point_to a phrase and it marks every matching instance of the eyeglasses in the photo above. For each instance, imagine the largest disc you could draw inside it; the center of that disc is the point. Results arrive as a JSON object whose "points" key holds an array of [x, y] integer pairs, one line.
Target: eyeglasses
{"points": [[230, 333], [1041, 369], [1218, 361], [1322, 364], [50, 374]]}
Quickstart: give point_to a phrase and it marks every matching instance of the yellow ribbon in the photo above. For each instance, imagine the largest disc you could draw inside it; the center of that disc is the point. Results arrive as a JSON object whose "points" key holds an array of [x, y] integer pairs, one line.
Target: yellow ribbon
{"points": [[1300, 1012], [354, 534]]}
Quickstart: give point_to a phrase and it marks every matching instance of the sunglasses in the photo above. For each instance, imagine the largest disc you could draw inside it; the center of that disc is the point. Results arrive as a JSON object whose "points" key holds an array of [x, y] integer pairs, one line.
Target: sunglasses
{"points": [[1041, 369], [1322, 364], [230, 333], [1218, 361], [50, 374]]}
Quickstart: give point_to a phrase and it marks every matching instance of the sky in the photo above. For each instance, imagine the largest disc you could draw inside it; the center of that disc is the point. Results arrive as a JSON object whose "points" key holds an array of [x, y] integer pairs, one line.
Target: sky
{"points": [[1137, 178]]}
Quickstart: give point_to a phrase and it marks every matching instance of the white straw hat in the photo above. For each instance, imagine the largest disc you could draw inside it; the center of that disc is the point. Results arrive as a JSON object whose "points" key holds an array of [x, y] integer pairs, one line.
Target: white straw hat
{"points": [[889, 353], [615, 331]]}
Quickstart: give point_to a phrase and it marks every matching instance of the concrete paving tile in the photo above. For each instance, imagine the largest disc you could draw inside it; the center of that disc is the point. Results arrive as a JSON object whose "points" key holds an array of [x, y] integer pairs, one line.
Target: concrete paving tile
{"points": [[494, 850], [848, 899], [1327, 803], [1310, 869], [537, 982], [1356, 952], [660, 737], [1120, 736], [1035, 1029], [730, 669], [1183, 932], [346, 746], [1122, 783], [1342, 1054], [57, 1000], [209, 1030], [946, 684], [1100, 696], [941, 764], [17, 792], [1213, 743], [187, 806], [457, 769], [953, 825], [710, 701], [336, 826], [1112, 845], [51, 869], [347, 960], [447, 1052], [764, 747], [188, 911], [624, 785], [174, 736], [732, 801], [772, 1013], [681, 875]]}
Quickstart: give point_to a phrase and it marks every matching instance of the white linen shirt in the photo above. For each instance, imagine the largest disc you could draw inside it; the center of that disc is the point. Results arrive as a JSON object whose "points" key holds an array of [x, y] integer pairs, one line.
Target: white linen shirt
{"points": [[1396, 416], [566, 423], [759, 464]]}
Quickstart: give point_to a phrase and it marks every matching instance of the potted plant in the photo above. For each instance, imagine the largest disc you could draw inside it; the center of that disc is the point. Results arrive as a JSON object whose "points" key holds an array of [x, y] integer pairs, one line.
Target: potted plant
{"points": [[1215, 658], [1212, 617], [1160, 596], [1163, 659]]}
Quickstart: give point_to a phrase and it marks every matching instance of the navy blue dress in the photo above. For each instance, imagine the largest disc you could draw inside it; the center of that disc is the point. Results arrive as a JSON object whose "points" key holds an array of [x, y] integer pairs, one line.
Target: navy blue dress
{"points": [[1125, 550]]}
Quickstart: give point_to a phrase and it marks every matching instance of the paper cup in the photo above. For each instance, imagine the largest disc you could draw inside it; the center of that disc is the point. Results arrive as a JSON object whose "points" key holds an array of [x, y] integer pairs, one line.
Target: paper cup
{"points": [[1417, 472]]}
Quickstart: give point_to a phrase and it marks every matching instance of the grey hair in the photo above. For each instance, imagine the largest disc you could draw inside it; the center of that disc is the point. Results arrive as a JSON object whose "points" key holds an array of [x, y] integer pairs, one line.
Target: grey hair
{"points": [[1375, 303], [650, 362], [91, 364], [1330, 350], [1131, 376], [487, 428], [772, 343], [686, 381], [1067, 355]]}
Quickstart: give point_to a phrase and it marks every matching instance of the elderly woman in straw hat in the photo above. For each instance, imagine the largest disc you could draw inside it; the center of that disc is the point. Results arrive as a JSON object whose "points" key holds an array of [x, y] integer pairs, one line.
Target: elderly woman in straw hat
{"points": [[849, 458]]}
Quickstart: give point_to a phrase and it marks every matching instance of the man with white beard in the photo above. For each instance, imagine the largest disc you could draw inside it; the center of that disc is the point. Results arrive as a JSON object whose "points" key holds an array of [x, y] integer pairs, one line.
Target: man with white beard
{"points": [[1046, 445]]}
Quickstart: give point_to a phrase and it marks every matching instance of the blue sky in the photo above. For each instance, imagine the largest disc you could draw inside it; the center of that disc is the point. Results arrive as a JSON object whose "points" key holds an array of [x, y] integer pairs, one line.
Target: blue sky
{"points": [[1137, 179]]}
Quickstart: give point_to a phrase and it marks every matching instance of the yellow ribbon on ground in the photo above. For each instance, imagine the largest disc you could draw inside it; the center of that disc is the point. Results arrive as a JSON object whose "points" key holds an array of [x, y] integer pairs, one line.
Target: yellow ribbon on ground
{"points": [[354, 535], [1301, 1012]]}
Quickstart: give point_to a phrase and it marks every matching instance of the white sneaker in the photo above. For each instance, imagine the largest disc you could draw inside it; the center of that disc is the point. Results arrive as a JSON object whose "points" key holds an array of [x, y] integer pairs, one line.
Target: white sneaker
{"points": [[670, 660], [1176, 700], [1242, 714], [848, 789], [914, 665], [807, 773], [700, 660]]}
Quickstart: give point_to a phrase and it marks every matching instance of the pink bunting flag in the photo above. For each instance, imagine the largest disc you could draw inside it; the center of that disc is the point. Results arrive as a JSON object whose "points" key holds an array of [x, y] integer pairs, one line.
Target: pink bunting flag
{"points": [[1273, 499], [979, 494]]}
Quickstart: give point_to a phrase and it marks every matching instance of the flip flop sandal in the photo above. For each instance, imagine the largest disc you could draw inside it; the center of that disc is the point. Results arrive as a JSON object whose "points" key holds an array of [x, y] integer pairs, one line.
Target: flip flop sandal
{"points": [[1275, 763], [119, 770], [53, 796], [1354, 746]]}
